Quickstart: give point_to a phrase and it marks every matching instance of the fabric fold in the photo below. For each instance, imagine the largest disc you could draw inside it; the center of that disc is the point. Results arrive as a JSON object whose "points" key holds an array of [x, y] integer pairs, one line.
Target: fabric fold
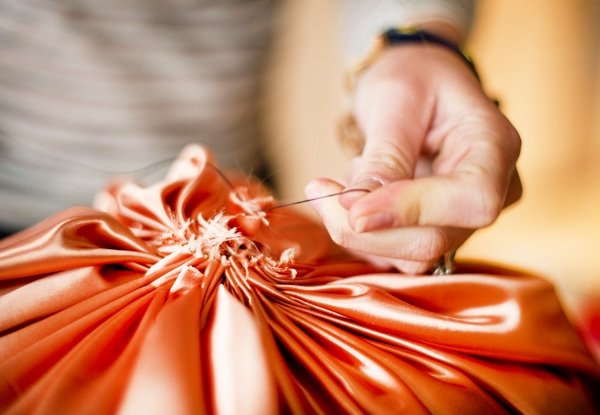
{"points": [[192, 295]]}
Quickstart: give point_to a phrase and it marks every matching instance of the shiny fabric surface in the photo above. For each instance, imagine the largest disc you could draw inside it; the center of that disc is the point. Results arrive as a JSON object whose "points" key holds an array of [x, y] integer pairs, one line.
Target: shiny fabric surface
{"points": [[192, 296]]}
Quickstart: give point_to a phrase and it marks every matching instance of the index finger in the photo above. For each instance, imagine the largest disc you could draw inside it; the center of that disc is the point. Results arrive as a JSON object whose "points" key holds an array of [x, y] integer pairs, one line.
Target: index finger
{"points": [[472, 176]]}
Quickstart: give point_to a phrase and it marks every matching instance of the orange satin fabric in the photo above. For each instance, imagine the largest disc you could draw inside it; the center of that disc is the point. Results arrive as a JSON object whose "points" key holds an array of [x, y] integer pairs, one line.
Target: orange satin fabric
{"points": [[190, 297]]}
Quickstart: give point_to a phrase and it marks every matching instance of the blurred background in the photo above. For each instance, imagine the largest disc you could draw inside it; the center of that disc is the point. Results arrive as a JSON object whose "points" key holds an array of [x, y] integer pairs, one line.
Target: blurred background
{"points": [[541, 58]]}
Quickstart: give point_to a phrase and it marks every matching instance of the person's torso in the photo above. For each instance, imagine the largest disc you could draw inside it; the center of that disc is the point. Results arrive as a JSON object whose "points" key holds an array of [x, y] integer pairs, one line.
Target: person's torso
{"points": [[92, 89]]}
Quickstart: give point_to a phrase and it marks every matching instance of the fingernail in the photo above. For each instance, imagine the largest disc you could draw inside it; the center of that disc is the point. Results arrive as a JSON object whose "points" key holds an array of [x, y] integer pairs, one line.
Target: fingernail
{"points": [[373, 222]]}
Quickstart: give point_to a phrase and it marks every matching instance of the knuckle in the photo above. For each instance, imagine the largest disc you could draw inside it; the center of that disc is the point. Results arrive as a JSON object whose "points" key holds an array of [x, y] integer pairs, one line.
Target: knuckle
{"points": [[399, 161], [487, 207], [484, 202], [390, 164], [513, 141], [429, 245], [438, 244], [509, 139], [514, 136]]}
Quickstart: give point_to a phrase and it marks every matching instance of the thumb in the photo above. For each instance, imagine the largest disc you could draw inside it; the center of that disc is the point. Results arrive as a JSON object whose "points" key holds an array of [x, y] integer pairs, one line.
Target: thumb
{"points": [[394, 130]]}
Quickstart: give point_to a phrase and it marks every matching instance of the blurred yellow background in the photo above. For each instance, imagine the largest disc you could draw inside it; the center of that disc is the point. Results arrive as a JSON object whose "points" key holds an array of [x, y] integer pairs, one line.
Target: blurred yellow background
{"points": [[541, 58]]}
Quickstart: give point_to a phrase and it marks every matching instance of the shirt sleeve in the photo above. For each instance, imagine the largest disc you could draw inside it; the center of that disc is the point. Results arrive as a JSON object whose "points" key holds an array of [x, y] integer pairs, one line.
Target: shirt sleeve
{"points": [[361, 21]]}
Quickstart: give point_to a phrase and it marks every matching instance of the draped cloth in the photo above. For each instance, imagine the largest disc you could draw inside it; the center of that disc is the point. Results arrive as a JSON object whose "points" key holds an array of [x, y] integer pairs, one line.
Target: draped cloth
{"points": [[193, 295]]}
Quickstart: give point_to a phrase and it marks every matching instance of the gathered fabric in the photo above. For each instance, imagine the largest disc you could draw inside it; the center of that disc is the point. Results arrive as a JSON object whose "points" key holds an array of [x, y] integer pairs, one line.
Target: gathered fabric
{"points": [[192, 296]]}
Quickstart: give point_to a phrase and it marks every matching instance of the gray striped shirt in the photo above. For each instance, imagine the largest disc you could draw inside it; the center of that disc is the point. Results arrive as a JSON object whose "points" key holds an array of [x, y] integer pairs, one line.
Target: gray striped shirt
{"points": [[90, 89]]}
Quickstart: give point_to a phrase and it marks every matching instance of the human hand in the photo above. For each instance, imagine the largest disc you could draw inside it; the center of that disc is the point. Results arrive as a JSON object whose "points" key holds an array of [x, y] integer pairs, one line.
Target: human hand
{"points": [[439, 160]]}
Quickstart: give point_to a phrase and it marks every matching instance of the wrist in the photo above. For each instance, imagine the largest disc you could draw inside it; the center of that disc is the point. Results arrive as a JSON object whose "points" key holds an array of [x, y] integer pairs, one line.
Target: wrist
{"points": [[402, 36], [434, 33], [443, 30]]}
